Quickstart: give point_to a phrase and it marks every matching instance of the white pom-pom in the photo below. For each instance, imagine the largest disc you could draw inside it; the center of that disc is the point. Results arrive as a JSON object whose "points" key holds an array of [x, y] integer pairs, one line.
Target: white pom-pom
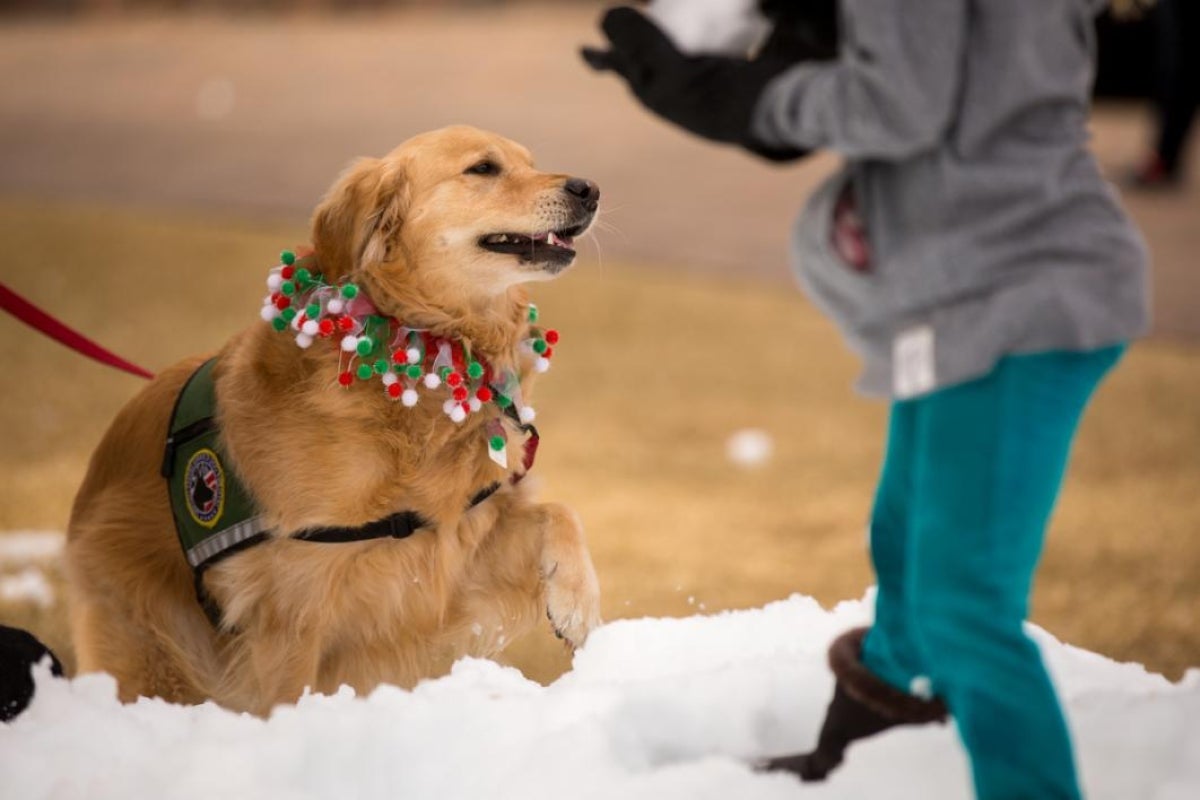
{"points": [[269, 312], [449, 406], [335, 306], [304, 340], [475, 403], [414, 355], [432, 381], [310, 328], [389, 378], [409, 398], [349, 343], [458, 414], [527, 414], [274, 281], [542, 364]]}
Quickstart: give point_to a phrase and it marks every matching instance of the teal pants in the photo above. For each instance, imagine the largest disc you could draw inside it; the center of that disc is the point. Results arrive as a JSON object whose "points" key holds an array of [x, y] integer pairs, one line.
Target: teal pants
{"points": [[971, 475]]}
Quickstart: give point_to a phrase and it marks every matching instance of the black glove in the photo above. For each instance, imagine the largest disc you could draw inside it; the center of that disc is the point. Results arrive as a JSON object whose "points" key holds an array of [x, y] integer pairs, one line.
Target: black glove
{"points": [[712, 96], [806, 31]]}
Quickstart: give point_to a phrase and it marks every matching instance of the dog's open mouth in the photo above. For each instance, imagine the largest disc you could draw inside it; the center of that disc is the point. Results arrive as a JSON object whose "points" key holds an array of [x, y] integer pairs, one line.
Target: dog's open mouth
{"points": [[553, 247]]}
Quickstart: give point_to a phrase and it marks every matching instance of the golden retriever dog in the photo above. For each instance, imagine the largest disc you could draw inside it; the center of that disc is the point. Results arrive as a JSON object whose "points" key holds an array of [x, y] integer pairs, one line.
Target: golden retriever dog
{"points": [[441, 233]]}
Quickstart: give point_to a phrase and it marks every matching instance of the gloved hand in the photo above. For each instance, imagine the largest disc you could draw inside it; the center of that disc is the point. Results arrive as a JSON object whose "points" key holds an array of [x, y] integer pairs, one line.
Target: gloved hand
{"points": [[712, 96]]}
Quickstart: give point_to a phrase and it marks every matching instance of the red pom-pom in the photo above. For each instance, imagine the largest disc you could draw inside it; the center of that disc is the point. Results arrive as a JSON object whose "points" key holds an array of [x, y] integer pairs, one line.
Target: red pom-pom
{"points": [[454, 379], [282, 302], [345, 379], [549, 353], [346, 324], [400, 356], [551, 337], [287, 272], [460, 394], [484, 394], [465, 407], [326, 327], [395, 390]]}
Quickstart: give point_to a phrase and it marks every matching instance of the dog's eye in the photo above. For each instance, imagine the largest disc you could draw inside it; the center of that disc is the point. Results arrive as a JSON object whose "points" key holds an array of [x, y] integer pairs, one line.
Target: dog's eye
{"points": [[483, 168]]}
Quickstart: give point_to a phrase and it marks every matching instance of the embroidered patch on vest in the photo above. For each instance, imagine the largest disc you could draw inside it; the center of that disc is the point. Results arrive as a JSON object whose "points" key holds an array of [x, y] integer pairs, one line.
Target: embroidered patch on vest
{"points": [[204, 484]]}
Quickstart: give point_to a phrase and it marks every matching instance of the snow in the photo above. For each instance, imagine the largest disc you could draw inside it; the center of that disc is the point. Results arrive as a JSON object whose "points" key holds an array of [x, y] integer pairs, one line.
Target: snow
{"points": [[727, 27], [653, 708], [28, 585], [750, 447], [18, 547]]}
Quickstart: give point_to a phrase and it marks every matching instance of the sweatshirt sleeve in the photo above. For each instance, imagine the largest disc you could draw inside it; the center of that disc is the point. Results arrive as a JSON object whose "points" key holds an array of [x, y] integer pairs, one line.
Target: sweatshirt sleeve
{"points": [[890, 95]]}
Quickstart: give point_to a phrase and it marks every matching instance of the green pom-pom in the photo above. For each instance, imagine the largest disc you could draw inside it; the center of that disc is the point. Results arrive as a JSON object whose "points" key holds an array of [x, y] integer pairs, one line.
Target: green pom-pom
{"points": [[287, 257], [414, 371], [288, 288], [503, 400], [533, 313], [365, 371], [303, 276], [475, 370], [288, 314], [365, 346], [496, 443], [349, 291], [381, 366], [539, 346], [279, 323], [444, 373], [313, 310]]}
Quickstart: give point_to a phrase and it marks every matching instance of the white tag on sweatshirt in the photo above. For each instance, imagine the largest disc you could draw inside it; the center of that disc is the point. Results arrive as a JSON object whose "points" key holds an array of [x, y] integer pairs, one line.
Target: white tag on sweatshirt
{"points": [[912, 362]]}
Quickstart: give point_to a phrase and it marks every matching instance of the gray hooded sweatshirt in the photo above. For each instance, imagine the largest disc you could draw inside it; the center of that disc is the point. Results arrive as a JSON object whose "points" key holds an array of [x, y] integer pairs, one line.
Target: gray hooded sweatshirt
{"points": [[990, 229]]}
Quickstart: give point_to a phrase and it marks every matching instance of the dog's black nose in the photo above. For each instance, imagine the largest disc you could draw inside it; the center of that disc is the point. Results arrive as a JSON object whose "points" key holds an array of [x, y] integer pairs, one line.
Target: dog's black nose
{"points": [[586, 192]]}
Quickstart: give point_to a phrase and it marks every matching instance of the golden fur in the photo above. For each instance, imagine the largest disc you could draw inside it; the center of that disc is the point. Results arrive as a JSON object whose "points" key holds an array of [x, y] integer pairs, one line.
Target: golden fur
{"points": [[299, 614]]}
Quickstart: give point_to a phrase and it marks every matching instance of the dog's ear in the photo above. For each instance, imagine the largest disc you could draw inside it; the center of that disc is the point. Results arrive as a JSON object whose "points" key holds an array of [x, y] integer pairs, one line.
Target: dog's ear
{"points": [[356, 223]]}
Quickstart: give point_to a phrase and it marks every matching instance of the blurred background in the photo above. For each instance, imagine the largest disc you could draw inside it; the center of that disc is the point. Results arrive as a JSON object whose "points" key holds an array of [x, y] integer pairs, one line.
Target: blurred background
{"points": [[156, 156]]}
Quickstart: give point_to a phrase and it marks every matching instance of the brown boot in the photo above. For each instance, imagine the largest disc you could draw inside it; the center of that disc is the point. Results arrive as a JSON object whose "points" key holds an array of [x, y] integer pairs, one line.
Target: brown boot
{"points": [[862, 706]]}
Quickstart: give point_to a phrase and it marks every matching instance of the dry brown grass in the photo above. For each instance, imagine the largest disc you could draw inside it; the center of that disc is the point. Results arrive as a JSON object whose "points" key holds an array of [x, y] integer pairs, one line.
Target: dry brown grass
{"points": [[654, 373]]}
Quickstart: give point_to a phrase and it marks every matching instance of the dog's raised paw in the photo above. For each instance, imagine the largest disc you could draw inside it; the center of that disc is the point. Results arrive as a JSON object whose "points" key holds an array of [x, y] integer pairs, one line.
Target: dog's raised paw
{"points": [[573, 603]]}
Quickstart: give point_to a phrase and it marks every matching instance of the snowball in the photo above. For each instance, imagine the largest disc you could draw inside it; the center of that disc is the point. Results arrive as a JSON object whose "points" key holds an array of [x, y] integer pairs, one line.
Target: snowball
{"points": [[725, 27], [750, 447]]}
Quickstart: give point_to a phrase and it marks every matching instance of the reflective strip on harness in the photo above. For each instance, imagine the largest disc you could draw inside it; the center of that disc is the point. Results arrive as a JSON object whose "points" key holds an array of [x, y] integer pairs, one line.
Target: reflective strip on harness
{"points": [[229, 538]]}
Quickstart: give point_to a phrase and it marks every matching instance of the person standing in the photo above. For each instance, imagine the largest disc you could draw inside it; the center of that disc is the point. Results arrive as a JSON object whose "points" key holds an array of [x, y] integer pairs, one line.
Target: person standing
{"points": [[1177, 24], [972, 254]]}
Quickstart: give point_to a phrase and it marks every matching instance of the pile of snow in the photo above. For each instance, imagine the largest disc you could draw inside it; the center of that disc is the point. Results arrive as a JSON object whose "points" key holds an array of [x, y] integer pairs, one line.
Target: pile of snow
{"points": [[27, 549], [652, 709], [20, 547], [749, 447]]}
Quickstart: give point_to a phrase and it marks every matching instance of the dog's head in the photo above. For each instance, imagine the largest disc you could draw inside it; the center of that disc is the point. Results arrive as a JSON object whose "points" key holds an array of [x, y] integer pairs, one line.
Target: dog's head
{"points": [[456, 215]]}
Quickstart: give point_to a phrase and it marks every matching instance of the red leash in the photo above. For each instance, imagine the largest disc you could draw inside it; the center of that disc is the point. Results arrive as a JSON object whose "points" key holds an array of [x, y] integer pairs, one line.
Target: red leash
{"points": [[39, 320]]}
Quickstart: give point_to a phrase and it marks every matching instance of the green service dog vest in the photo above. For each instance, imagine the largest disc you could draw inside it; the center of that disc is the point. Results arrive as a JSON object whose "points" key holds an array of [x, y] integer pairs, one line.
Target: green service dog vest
{"points": [[214, 516]]}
